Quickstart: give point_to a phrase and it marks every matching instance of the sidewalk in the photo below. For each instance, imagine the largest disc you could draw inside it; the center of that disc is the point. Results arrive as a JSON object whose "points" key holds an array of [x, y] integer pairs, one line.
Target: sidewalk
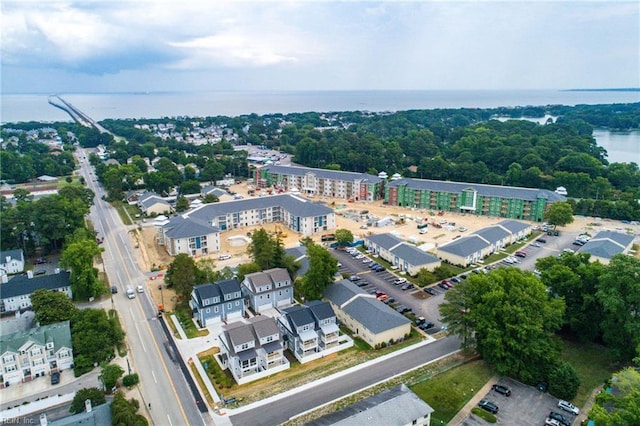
{"points": [[466, 410]]}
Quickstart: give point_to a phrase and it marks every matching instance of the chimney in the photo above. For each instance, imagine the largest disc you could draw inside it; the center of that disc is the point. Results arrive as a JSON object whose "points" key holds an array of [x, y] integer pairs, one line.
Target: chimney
{"points": [[43, 419], [87, 405], [3, 278], [7, 259], [30, 273], [57, 271]]}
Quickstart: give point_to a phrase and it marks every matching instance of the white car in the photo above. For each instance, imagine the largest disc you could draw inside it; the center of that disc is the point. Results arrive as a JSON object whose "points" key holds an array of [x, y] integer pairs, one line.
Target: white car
{"points": [[224, 257], [567, 406], [140, 289]]}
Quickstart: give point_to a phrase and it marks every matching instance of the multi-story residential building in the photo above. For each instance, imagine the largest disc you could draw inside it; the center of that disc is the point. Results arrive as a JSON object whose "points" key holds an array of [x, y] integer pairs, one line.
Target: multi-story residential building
{"points": [[393, 407], [268, 289], [35, 353], [252, 350], [606, 244], [311, 331], [11, 262], [215, 302], [484, 242], [407, 257], [472, 198], [196, 232], [15, 295], [367, 317], [320, 182]]}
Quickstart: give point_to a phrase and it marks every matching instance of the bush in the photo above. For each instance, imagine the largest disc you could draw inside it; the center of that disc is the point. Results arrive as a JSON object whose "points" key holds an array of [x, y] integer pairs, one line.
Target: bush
{"points": [[131, 380], [484, 415], [564, 381], [95, 395]]}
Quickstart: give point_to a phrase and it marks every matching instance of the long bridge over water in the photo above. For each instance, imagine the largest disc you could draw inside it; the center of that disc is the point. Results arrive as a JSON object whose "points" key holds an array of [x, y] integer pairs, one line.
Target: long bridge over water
{"points": [[77, 115]]}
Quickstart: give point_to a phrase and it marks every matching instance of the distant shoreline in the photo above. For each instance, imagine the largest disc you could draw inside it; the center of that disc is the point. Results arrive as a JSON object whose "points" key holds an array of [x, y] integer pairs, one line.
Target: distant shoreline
{"points": [[613, 89]]}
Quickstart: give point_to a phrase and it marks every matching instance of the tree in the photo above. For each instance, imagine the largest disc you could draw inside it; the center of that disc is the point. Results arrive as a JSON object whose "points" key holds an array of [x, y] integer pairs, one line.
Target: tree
{"points": [[343, 237], [181, 275], [94, 337], [110, 375], [210, 198], [182, 204], [563, 381], [322, 268], [125, 413], [79, 256], [246, 269], [621, 406], [261, 248], [559, 214], [507, 317], [619, 293], [95, 395], [51, 306]]}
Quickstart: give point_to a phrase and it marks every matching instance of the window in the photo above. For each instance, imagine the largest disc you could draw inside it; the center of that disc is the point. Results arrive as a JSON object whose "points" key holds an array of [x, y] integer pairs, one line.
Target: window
{"points": [[237, 303], [9, 358], [38, 361], [64, 354], [10, 368], [229, 305], [36, 351], [215, 309], [244, 346]]}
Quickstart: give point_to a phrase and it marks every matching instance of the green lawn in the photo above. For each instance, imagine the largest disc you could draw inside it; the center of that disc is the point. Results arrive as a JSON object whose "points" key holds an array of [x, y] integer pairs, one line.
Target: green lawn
{"points": [[448, 392], [592, 364]]}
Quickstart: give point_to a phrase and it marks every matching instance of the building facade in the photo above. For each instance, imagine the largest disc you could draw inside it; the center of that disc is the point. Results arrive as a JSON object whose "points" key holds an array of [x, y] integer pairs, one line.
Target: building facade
{"points": [[15, 295], [472, 198], [36, 352], [11, 261], [408, 258], [216, 302], [252, 350], [271, 288], [320, 182]]}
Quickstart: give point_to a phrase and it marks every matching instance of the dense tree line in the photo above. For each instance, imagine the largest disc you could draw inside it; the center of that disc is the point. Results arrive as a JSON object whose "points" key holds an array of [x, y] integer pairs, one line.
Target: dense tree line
{"points": [[44, 222]]}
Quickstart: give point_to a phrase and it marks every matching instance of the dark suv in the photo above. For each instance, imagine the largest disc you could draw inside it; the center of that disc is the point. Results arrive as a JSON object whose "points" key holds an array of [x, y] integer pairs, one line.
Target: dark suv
{"points": [[488, 406], [559, 417], [502, 389]]}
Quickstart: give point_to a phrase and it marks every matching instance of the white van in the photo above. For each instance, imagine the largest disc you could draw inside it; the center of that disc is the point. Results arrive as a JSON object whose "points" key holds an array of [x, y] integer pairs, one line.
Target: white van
{"points": [[130, 293]]}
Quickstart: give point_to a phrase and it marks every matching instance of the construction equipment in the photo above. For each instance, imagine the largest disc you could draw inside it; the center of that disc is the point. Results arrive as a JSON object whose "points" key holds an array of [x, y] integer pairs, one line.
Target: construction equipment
{"points": [[280, 233]]}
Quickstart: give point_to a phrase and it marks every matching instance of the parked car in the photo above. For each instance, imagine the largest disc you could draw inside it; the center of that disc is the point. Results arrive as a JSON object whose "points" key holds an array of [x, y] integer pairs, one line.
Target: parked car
{"points": [[41, 260], [354, 278], [400, 281], [443, 286], [430, 291], [407, 286], [521, 254], [55, 378], [224, 257], [362, 283], [447, 283], [379, 268], [501, 389], [488, 406], [564, 421], [569, 407], [541, 241], [420, 320], [428, 325], [456, 280], [578, 243]]}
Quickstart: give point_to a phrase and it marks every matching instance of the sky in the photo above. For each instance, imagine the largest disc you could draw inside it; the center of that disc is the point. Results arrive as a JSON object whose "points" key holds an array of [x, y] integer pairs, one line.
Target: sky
{"points": [[193, 45]]}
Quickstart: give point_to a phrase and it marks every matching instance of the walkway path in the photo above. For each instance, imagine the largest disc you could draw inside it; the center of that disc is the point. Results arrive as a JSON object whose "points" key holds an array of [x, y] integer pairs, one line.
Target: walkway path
{"points": [[466, 410]]}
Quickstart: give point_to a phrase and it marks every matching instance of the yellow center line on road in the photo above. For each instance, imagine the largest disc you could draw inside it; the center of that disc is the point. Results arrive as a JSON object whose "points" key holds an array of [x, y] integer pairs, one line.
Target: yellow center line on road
{"points": [[139, 307]]}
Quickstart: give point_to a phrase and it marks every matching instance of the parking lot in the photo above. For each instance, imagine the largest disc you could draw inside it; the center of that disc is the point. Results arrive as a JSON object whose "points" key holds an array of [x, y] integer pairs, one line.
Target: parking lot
{"points": [[526, 406]]}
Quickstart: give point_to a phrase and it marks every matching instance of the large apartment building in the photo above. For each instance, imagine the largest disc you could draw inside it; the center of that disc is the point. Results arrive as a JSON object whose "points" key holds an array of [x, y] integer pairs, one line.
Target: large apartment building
{"points": [[197, 231], [320, 182], [473, 198]]}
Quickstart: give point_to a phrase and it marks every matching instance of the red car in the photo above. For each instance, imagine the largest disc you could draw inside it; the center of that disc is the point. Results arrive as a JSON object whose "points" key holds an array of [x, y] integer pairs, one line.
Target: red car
{"points": [[447, 283]]}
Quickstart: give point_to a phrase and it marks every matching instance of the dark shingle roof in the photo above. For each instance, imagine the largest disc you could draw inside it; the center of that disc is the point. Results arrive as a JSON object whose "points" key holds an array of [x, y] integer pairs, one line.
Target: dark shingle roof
{"points": [[321, 310], [484, 190], [464, 246], [413, 255], [374, 315], [264, 326], [21, 285], [386, 241], [298, 316], [13, 254], [321, 173], [217, 289], [179, 227], [343, 290], [394, 407]]}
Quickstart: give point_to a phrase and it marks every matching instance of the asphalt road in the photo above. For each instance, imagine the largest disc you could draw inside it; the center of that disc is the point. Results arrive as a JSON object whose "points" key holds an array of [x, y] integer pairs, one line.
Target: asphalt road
{"points": [[305, 400], [161, 383]]}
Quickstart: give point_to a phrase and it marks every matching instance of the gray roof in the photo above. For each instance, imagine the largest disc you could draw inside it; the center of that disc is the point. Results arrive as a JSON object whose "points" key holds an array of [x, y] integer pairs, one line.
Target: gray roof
{"points": [[321, 173], [58, 333], [13, 254], [484, 190], [212, 189], [264, 326], [394, 407], [513, 225], [295, 205], [374, 315], [22, 285], [300, 254], [278, 274], [98, 416], [607, 244], [366, 309], [238, 333], [219, 289], [492, 234], [179, 227], [413, 255], [321, 310], [298, 315], [269, 276], [386, 241], [464, 246], [342, 291]]}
